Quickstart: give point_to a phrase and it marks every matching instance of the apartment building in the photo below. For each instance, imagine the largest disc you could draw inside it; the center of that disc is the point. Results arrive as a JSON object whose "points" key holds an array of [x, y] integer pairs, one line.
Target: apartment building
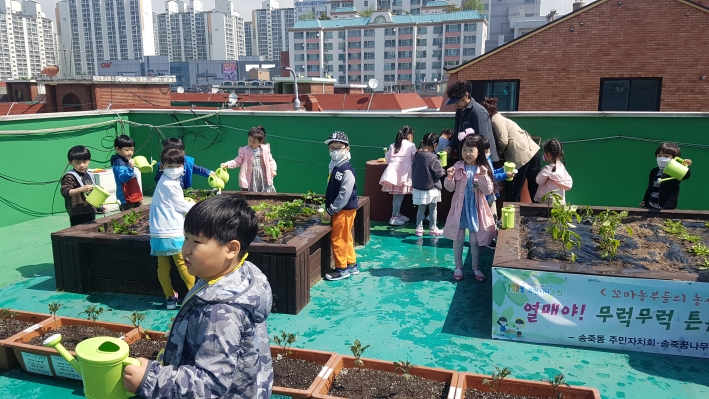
{"points": [[27, 40], [269, 30], [316, 7], [248, 39], [402, 52], [186, 32], [91, 31], [396, 7], [508, 15]]}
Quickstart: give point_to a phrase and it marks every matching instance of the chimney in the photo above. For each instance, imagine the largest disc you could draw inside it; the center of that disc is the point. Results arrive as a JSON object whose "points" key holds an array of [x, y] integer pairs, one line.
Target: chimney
{"points": [[578, 4]]}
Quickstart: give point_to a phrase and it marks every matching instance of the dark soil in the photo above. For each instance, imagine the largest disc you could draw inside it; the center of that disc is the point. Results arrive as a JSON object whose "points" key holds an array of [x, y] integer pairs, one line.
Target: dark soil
{"points": [[472, 393], [142, 226], [649, 248], [10, 327], [147, 348], [294, 373], [375, 384], [73, 334]]}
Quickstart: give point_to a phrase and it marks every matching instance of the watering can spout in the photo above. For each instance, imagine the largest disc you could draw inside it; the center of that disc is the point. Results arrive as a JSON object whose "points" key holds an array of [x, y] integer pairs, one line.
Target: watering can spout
{"points": [[54, 342]]}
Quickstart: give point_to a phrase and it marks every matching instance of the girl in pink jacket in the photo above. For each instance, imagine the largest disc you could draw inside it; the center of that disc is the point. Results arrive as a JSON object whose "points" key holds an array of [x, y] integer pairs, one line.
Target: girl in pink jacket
{"points": [[554, 176], [258, 168], [471, 180], [396, 179]]}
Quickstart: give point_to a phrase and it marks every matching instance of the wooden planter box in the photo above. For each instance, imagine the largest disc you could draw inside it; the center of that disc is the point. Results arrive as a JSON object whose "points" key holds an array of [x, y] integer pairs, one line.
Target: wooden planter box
{"points": [[515, 386], [323, 358], [341, 362], [507, 253], [46, 361], [86, 260], [8, 360]]}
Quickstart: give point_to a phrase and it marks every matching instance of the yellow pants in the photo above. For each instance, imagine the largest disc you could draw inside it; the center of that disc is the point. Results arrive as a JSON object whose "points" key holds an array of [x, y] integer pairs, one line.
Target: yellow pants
{"points": [[164, 273], [342, 238]]}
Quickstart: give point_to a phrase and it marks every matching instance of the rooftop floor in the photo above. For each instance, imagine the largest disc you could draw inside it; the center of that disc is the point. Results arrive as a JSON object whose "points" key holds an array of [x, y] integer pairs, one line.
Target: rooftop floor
{"points": [[405, 303]]}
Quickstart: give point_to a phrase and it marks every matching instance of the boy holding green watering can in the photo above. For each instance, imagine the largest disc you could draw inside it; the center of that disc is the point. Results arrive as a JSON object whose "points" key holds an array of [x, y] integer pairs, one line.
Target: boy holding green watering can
{"points": [[190, 167], [664, 193], [76, 185]]}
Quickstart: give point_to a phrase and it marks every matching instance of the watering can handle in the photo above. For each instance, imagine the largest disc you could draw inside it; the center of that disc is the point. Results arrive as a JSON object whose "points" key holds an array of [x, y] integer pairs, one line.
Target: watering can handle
{"points": [[132, 361]]}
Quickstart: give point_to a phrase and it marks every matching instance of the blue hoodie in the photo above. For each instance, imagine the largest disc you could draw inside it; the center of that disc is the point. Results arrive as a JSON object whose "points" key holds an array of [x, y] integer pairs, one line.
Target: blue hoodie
{"points": [[127, 186], [218, 345], [190, 168]]}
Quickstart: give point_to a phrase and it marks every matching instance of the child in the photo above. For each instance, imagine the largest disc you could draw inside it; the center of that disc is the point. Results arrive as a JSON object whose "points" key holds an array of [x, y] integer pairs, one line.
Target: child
{"points": [[341, 203], [190, 166], [128, 190], [426, 174], [554, 176], [471, 179], [218, 345], [396, 179], [258, 168], [76, 184], [664, 195], [167, 211], [444, 139]]}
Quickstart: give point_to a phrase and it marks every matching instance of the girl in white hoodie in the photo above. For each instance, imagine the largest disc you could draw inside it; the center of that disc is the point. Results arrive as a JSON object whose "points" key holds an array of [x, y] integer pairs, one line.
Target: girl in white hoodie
{"points": [[554, 176], [167, 218]]}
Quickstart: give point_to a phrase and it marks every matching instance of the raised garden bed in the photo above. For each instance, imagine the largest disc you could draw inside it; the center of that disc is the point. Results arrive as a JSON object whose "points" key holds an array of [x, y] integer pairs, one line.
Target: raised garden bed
{"points": [[145, 343], [299, 374], [15, 322], [36, 358], [379, 379], [470, 386], [86, 259]]}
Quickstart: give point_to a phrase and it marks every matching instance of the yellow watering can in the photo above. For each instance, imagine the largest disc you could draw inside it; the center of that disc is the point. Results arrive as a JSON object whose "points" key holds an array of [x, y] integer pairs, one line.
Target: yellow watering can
{"points": [[222, 174], [443, 158], [675, 170], [143, 165], [101, 361], [97, 196], [510, 167], [508, 217]]}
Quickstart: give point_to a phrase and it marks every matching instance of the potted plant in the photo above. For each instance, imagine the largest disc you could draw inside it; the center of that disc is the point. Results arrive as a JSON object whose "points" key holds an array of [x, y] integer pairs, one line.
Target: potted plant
{"points": [[13, 322], [472, 386], [297, 372]]}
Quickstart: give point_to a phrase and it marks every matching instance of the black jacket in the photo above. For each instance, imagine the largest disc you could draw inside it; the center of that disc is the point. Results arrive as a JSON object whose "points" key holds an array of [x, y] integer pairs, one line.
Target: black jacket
{"points": [[474, 116], [669, 190], [426, 171], [341, 189]]}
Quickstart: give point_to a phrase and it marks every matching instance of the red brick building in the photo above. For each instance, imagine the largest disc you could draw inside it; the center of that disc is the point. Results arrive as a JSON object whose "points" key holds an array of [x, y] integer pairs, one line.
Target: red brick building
{"points": [[629, 55]]}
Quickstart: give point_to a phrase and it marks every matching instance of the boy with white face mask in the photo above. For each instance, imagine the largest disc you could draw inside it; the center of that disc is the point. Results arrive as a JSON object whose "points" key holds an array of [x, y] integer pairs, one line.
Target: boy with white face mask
{"points": [[341, 204], [167, 218], [664, 195]]}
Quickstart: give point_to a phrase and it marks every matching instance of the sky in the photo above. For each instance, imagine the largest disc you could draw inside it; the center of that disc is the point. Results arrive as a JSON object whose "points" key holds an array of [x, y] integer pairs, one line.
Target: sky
{"points": [[244, 7]]}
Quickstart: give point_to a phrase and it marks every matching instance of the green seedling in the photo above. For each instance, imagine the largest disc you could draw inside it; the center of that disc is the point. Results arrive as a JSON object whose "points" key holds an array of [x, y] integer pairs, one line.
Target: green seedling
{"points": [[558, 380], [136, 318], [92, 313], [285, 340], [561, 223], [674, 228], [405, 368], [313, 197], [54, 308], [7, 314], [705, 264], [606, 224], [261, 207], [357, 350], [586, 213], [273, 232], [699, 249], [497, 376]]}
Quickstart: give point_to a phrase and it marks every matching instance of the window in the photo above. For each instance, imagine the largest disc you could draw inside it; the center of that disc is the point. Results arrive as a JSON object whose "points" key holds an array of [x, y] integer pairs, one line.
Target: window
{"points": [[421, 77], [368, 77], [404, 65], [313, 57], [437, 41], [453, 40], [468, 51], [329, 68], [421, 42], [368, 32], [389, 78], [328, 57], [380, 20], [390, 43], [340, 57], [453, 28], [406, 31], [340, 79], [630, 94], [354, 45], [341, 34], [450, 64], [506, 92], [437, 30], [328, 35], [368, 56], [368, 67], [354, 33], [298, 35], [313, 68], [420, 65], [390, 67], [469, 39], [327, 46], [389, 32], [436, 76], [405, 76], [354, 56], [421, 54], [406, 42], [313, 46], [436, 65], [312, 35], [452, 52], [299, 57], [298, 46], [369, 44], [470, 27], [415, 2], [341, 68], [405, 54], [354, 67], [437, 53]]}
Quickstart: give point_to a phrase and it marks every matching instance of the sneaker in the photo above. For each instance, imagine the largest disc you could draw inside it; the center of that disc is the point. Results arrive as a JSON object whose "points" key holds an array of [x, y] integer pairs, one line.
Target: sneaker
{"points": [[419, 232], [353, 268], [458, 274], [171, 302], [435, 232], [338, 274], [395, 221], [403, 218]]}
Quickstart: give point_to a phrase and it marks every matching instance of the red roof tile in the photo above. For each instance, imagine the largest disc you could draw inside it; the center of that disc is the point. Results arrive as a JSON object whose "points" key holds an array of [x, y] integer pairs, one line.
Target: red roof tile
{"points": [[360, 102], [433, 102]]}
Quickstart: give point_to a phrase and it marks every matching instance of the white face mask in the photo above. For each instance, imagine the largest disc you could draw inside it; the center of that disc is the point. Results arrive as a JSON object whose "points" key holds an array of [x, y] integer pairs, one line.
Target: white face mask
{"points": [[662, 162], [338, 155], [173, 173]]}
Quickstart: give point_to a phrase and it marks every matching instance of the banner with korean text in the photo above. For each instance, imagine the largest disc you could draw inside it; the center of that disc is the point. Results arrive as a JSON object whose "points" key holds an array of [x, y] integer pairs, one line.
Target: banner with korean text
{"points": [[642, 315]]}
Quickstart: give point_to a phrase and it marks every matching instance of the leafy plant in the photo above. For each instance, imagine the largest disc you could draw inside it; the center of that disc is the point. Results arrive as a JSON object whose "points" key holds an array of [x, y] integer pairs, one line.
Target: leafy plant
{"points": [[284, 341], [699, 249], [497, 376], [197, 194], [674, 228], [54, 308], [561, 222], [558, 380], [125, 224], [136, 318], [405, 368], [705, 264], [357, 350], [272, 231], [606, 224], [7, 314], [92, 313], [261, 207], [586, 213], [313, 198]]}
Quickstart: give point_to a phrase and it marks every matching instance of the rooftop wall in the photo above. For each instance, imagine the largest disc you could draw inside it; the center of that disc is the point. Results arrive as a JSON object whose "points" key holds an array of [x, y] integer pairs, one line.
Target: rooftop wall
{"points": [[609, 155]]}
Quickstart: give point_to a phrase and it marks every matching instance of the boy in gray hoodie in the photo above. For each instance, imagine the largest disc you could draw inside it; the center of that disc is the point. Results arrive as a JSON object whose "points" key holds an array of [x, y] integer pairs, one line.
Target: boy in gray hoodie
{"points": [[218, 345]]}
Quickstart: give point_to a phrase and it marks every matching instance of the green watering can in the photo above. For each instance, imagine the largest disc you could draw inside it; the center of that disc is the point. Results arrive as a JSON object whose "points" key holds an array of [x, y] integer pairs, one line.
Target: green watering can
{"points": [[508, 217], [215, 182], [97, 196], [222, 174], [443, 157], [143, 165], [675, 170], [101, 361], [510, 167]]}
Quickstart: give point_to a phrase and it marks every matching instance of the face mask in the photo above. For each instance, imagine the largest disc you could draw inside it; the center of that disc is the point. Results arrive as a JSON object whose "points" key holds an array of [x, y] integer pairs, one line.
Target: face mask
{"points": [[338, 155], [173, 173], [662, 162], [487, 154]]}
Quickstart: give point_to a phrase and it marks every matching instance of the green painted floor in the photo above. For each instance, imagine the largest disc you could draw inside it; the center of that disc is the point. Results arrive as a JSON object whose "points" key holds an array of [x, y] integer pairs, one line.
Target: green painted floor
{"points": [[404, 303]]}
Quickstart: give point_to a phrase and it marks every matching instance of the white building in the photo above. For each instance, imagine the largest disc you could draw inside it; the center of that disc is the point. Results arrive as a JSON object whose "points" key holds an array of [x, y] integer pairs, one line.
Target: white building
{"points": [[400, 51], [510, 19], [248, 38], [186, 32], [269, 30], [316, 7], [94, 30], [27, 40], [397, 7]]}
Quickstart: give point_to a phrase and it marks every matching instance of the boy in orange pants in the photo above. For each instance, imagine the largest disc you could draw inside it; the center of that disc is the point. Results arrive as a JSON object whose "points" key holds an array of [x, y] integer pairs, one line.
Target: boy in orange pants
{"points": [[341, 203]]}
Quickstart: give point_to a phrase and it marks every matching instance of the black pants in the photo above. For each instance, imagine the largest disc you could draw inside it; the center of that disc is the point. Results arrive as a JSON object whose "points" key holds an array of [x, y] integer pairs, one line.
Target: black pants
{"points": [[79, 219], [129, 205], [528, 171]]}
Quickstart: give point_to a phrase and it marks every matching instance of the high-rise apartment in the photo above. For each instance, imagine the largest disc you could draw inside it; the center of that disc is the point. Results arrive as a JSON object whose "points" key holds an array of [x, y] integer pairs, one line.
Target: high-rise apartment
{"points": [[91, 31], [248, 39], [505, 15], [401, 51], [27, 40], [186, 32], [396, 7], [269, 30]]}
